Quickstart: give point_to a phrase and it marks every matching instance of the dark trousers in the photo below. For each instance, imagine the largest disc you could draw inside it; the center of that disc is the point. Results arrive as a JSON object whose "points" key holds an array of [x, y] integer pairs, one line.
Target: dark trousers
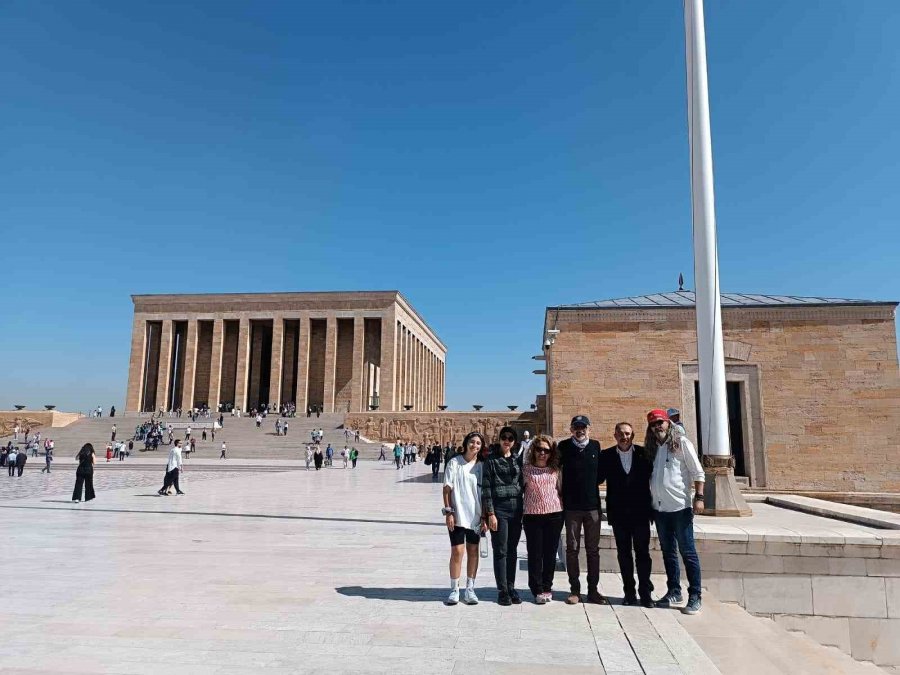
{"points": [[589, 523], [12, 469], [20, 468], [435, 467], [83, 478], [505, 541], [354, 463], [542, 538], [634, 533], [397, 460], [677, 529], [170, 480]]}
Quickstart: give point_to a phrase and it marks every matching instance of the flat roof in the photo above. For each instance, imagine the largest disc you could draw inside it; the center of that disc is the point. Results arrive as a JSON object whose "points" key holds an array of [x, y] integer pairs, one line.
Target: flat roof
{"points": [[682, 299]]}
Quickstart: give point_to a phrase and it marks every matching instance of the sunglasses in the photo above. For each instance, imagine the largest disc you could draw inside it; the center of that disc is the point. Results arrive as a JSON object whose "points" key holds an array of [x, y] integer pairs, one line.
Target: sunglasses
{"points": [[507, 437], [542, 451]]}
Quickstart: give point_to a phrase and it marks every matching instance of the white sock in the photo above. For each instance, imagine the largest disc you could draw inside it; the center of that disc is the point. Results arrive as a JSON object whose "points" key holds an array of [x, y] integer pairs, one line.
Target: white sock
{"points": [[454, 584], [470, 582]]}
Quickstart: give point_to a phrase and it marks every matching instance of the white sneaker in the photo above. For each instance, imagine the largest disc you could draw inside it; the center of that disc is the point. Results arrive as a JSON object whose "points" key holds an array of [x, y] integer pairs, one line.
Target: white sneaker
{"points": [[453, 598], [470, 598]]}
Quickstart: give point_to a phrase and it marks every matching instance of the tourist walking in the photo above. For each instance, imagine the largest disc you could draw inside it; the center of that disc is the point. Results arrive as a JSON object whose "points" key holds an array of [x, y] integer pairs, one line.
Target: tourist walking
{"points": [[109, 451], [174, 466], [48, 456], [579, 459], [381, 457], [317, 458], [354, 455], [398, 454], [501, 498], [525, 444], [11, 461], [284, 428], [462, 515], [113, 434], [84, 474], [21, 458], [224, 450], [309, 456], [329, 455], [345, 455], [543, 520], [278, 427], [676, 487], [626, 470], [434, 459]]}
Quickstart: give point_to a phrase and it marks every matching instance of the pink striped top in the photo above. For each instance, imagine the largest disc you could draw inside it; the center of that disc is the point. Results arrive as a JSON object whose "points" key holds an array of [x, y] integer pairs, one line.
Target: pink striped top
{"points": [[541, 490]]}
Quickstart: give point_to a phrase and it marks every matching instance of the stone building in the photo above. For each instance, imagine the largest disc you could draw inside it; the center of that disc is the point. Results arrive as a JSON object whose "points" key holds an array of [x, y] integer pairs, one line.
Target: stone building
{"points": [[813, 384], [339, 351]]}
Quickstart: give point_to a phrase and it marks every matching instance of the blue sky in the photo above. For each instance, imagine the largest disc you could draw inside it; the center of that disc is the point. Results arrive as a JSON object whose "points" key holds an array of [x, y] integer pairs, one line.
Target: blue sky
{"points": [[486, 159]]}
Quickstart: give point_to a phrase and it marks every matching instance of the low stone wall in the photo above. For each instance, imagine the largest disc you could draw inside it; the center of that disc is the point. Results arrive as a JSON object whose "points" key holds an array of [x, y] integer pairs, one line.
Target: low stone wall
{"points": [[35, 419], [441, 427]]}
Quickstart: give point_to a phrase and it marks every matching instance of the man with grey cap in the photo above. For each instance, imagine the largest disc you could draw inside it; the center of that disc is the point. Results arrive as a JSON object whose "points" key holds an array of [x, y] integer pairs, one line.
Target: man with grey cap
{"points": [[675, 418], [580, 462]]}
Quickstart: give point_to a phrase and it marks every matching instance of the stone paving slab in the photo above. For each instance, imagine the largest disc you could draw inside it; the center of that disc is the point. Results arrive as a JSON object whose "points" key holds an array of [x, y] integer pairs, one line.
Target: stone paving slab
{"points": [[332, 571]]}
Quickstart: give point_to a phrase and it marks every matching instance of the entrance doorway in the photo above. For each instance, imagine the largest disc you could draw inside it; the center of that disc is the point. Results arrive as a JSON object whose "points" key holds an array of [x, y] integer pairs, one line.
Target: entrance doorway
{"points": [[735, 403]]}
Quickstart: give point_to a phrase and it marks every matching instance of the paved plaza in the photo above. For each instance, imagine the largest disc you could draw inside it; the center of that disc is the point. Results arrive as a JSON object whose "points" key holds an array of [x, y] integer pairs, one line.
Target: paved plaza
{"points": [[303, 572]]}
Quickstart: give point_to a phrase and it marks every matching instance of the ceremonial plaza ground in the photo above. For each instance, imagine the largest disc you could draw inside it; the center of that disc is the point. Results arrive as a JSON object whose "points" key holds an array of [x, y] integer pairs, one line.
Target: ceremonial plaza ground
{"points": [[263, 566]]}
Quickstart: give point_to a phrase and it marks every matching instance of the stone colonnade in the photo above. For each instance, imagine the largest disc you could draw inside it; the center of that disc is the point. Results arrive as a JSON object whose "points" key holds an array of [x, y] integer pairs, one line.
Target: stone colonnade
{"points": [[336, 360]]}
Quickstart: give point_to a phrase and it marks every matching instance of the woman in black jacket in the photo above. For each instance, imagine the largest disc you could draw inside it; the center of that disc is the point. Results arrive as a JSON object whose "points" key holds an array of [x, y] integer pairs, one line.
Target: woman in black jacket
{"points": [[502, 505], [84, 474]]}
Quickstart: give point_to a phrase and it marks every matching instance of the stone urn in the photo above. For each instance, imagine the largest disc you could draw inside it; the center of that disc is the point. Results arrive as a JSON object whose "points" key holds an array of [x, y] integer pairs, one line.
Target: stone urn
{"points": [[442, 408], [512, 407], [477, 407], [50, 407], [407, 407], [19, 407]]}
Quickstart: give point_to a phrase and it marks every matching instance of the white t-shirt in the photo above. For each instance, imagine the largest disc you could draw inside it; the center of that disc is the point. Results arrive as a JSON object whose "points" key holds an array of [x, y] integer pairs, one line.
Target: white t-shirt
{"points": [[465, 496]]}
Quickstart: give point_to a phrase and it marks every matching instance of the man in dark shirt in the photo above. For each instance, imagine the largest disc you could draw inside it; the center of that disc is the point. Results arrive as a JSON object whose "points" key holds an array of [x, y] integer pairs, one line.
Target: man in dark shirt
{"points": [[579, 458], [626, 471]]}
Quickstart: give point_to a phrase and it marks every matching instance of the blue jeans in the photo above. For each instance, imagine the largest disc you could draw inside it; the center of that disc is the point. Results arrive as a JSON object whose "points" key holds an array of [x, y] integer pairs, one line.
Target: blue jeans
{"points": [[674, 528]]}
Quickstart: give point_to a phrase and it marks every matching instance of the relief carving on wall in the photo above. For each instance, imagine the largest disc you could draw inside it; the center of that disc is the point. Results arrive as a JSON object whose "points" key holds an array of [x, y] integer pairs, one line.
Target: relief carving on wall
{"points": [[431, 429]]}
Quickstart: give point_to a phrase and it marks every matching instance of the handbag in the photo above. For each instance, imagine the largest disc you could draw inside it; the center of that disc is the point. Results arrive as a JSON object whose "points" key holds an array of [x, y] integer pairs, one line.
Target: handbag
{"points": [[428, 459]]}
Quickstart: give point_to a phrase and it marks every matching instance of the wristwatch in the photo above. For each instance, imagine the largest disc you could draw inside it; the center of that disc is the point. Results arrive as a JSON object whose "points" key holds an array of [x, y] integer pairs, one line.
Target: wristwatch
{"points": [[447, 511], [698, 498]]}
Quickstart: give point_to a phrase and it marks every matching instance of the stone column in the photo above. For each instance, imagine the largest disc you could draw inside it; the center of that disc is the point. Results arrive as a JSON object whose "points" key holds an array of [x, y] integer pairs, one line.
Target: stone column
{"points": [[215, 364], [303, 365], [243, 362], [401, 367], [136, 365], [165, 365], [330, 362], [190, 365], [387, 381], [358, 402], [277, 352]]}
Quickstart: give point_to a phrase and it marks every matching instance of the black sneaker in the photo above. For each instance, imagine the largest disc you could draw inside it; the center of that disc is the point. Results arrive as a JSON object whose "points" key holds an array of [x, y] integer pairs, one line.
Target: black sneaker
{"points": [[647, 602], [503, 599], [692, 606], [669, 599], [514, 596], [179, 492], [630, 600]]}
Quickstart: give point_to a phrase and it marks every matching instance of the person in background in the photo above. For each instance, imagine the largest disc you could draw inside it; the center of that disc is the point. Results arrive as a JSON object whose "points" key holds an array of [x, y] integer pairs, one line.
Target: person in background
{"points": [[354, 455], [48, 455], [435, 458], [84, 474], [675, 418]]}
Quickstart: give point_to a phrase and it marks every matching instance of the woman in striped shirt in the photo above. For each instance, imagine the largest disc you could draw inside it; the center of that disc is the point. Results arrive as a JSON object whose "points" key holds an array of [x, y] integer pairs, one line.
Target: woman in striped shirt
{"points": [[543, 519]]}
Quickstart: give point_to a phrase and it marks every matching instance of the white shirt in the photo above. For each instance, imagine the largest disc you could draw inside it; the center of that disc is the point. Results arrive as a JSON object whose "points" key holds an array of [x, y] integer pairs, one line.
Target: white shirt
{"points": [[464, 480], [625, 458], [674, 474], [175, 461]]}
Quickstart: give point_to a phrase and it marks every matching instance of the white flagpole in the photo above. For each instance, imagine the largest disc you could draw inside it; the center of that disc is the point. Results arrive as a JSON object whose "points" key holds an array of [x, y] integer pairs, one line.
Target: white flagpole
{"points": [[713, 404]]}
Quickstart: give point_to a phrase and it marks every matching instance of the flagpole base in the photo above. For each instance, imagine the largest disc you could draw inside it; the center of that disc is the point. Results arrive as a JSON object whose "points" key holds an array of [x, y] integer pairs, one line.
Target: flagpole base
{"points": [[722, 496]]}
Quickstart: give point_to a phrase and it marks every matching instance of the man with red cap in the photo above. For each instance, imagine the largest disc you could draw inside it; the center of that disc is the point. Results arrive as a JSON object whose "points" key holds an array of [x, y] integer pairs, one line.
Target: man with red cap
{"points": [[676, 489]]}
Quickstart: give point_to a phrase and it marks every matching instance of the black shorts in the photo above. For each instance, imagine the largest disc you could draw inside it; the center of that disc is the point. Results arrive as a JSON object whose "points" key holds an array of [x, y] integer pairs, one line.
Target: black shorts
{"points": [[462, 534]]}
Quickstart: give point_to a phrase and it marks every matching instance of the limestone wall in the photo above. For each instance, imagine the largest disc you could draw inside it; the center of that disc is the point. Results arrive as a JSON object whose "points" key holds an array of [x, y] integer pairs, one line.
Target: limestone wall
{"points": [[442, 427], [827, 383], [35, 419]]}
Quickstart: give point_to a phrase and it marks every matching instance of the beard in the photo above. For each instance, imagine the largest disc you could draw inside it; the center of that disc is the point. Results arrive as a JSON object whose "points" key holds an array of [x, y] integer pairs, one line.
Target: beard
{"points": [[661, 435]]}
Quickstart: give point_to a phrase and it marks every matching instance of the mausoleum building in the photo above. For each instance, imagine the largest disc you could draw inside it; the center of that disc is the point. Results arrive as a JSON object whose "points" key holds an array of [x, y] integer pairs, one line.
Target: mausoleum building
{"points": [[334, 351], [813, 383]]}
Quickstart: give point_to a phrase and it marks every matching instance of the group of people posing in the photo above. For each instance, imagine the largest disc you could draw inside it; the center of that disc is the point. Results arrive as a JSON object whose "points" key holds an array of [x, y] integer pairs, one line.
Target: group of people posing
{"points": [[546, 486]]}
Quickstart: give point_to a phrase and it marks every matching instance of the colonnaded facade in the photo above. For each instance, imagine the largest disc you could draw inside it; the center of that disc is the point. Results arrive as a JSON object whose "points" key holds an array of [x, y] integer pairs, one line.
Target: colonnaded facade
{"points": [[336, 351], [813, 385]]}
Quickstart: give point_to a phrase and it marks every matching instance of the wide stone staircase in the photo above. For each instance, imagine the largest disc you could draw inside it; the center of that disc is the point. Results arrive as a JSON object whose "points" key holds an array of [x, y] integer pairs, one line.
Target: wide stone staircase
{"points": [[244, 440]]}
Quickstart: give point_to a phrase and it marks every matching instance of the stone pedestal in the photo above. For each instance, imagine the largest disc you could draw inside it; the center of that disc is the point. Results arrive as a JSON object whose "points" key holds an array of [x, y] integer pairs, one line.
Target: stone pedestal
{"points": [[722, 496]]}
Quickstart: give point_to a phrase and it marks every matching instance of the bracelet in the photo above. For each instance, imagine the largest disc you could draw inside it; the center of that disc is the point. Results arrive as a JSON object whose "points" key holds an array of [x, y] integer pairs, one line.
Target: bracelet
{"points": [[698, 498]]}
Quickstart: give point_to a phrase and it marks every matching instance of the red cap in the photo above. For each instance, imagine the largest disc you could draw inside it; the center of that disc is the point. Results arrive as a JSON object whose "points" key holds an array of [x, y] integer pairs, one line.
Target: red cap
{"points": [[657, 414]]}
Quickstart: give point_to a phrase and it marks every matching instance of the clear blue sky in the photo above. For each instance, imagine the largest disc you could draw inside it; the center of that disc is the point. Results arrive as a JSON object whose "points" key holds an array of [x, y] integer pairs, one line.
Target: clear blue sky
{"points": [[487, 159]]}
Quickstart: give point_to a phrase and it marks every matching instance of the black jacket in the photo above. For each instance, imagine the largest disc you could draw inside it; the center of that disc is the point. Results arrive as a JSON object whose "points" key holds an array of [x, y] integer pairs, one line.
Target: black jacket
{"points": [[627, 494], [580, 476], [503, 480]]}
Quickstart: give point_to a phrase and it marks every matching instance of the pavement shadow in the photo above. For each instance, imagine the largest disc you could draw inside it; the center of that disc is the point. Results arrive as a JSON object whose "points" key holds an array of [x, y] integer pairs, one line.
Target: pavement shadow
{"points": [[405, 594], [424, 478]]}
